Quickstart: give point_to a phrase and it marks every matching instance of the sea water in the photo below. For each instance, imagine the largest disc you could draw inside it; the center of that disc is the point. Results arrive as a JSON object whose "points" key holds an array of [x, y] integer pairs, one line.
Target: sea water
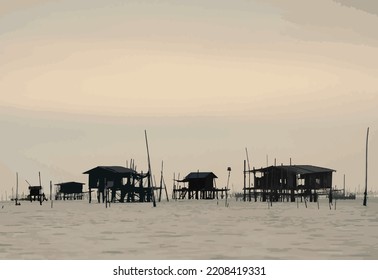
{"points": [[189, 229]]}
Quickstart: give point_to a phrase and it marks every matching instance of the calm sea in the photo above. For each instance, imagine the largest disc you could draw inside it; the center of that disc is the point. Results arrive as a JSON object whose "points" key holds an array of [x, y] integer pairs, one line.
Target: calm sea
{"points": [[189, 230]]}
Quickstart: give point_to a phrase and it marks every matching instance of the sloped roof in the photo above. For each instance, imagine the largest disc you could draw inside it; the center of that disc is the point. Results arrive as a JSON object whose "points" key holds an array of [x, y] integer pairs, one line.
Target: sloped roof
{"points": [[199, 175], [111, 169], [69, 183], [298, 169]]}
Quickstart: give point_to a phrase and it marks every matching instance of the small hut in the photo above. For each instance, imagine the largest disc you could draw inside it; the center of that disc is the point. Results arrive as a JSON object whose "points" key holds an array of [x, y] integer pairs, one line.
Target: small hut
{"points": [[201, 185], [288, 181], [122, 183], [35, 193], [69, 190]]}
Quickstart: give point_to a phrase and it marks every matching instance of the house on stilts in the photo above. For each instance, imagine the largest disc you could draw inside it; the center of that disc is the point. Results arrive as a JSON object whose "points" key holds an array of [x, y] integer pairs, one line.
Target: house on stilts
{"points": [[35, 193], [286, 182], [69, 191], [198, 185], [119, 184]]}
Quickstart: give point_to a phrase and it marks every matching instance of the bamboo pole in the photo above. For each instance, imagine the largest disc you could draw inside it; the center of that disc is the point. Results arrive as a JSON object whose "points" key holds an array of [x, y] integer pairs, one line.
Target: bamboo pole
{"points": [[161, 180], [150, 172], [245, 191], [16, 201], [166, 191], [51, 197], [249, 175], [366, 168]]}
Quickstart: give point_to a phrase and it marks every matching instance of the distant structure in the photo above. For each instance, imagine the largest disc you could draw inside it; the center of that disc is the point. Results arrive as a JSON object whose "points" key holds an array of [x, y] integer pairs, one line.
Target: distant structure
{"points": [[69, 191], [121, 183], [35, 194], [342, 194], [286, 182], [201, 185]]}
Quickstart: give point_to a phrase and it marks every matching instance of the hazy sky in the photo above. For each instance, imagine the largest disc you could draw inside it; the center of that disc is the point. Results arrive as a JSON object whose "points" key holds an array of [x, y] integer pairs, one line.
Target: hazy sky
{"points": [[80, 80]]}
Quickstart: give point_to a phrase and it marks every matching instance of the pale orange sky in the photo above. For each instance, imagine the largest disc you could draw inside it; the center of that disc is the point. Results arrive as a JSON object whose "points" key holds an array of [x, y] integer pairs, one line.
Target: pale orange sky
{"points": [[206, 78]]}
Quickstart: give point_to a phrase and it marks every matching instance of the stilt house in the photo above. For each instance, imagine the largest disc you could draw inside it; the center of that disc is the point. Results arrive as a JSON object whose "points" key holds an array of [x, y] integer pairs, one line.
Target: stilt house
{"points": [[35, 193], [121, 182], [200, 185], [69, 190], [287, 181]]}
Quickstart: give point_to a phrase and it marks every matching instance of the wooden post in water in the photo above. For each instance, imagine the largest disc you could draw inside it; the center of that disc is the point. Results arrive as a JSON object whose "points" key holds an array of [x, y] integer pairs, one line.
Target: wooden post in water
{"points": [[366, 168], [174, 188], [249, 176], [228, 181], [245, 190], [344, 187], [150, 172], [161, 181], [16, 201], [51, 197]]}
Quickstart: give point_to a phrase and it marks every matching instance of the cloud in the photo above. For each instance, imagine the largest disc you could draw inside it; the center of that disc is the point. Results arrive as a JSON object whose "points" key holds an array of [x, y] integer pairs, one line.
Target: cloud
{"points": [[329, 21], [367, 6]]}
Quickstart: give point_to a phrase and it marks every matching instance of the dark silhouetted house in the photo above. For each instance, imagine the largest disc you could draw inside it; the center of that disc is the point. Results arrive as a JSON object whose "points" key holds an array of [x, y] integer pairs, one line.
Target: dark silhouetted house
{"points": [[200, 185], [69, 190], [289, 181], [121, 182], [35, 193]]}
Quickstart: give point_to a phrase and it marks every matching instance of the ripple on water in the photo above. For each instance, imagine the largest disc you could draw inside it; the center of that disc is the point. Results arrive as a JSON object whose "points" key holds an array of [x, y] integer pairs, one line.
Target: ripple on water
{"points": [[112, 252]]}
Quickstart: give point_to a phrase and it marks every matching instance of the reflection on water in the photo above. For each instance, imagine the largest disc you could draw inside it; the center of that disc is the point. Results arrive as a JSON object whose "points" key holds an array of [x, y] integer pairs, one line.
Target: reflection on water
{"points": [[189, 230]]}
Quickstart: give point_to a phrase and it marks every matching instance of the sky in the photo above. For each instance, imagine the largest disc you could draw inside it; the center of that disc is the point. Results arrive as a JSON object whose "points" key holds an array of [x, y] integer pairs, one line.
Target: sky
{"points": [[81, 80]]}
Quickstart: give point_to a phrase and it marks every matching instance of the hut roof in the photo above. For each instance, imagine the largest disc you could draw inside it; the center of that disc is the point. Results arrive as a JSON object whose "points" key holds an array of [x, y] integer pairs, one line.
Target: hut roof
{"points": [[35, 187], [111, 169], [69, 183], [199, 175], [298, 169]]}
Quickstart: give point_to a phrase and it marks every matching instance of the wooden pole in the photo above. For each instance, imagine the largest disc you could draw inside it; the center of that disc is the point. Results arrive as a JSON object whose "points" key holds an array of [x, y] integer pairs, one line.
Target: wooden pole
{"points": [[161, 180], [166, 191], [366, 168], [344, 187], [40, 184], [150, 172], [249, 175], [174, 188], [51, 197], [245, 190], [16, 201]]}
